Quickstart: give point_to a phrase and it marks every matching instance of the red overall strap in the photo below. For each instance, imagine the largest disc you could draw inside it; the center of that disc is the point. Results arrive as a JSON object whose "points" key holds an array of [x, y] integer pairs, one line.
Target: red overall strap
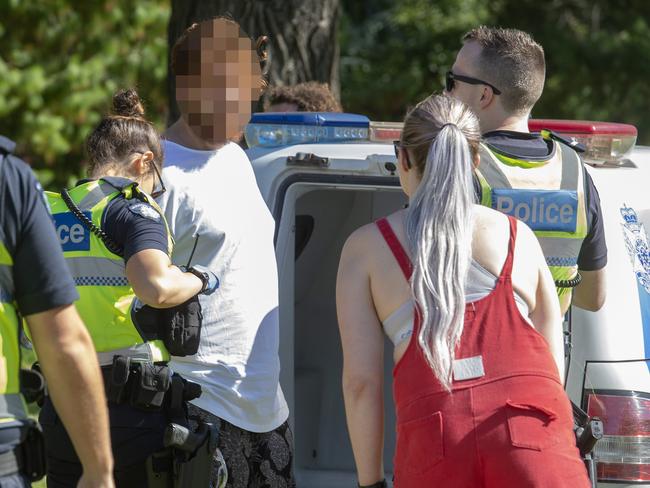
{"points": [[396, 247], [506, 271]]}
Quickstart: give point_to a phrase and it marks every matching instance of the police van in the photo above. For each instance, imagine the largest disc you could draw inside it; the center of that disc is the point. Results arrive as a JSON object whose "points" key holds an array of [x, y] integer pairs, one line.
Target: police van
{"points": [[325, 175]]}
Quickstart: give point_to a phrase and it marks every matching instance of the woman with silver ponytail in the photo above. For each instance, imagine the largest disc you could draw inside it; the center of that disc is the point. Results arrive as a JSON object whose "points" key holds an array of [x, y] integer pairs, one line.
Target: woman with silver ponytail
{"points": [[465, 295]]}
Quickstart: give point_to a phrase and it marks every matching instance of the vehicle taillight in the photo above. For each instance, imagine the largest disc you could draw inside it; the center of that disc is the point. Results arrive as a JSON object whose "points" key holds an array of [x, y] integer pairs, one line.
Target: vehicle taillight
{"points": [[605, 142], [623, 454], [385, 131]]}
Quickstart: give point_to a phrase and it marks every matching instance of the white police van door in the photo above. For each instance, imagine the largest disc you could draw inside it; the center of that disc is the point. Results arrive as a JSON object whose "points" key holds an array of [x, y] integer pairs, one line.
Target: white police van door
{"points": [[609, 373], [316, 209]]}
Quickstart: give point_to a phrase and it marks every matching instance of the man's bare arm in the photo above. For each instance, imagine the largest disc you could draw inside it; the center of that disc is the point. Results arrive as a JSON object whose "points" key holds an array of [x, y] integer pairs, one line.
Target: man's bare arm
{"points": [[590, 293]]}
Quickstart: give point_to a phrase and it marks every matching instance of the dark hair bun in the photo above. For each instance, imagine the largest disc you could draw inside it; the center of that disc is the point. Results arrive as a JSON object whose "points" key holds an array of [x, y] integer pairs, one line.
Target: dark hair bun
{"points": [[127, 103]]}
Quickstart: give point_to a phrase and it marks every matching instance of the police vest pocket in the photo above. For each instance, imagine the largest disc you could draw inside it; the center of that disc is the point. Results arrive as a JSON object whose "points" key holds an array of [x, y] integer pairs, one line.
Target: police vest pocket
{"points": [[419, 444], [532, 426]]}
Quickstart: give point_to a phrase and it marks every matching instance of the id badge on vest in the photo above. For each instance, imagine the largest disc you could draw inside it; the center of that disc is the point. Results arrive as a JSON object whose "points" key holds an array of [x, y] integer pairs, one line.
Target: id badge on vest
{"points": [[541, 210]]}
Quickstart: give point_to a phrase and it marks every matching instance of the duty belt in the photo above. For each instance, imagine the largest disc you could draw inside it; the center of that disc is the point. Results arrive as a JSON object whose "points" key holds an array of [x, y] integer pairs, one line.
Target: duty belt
{"points": [[147, 386], [138, 353]]}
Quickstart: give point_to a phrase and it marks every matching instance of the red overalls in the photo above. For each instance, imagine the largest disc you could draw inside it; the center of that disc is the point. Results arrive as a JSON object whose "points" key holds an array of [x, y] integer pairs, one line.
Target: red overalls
{"points": [[507, 422]]}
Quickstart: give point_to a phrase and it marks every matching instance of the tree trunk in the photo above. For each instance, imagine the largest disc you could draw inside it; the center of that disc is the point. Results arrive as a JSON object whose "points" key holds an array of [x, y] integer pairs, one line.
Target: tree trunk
{"points": [[303, 44]]}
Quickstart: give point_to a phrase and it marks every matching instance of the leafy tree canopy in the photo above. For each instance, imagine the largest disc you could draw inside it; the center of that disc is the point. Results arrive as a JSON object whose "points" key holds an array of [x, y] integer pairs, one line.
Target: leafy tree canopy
{"points": [[60, 63], [395, 53], [61, 60]]}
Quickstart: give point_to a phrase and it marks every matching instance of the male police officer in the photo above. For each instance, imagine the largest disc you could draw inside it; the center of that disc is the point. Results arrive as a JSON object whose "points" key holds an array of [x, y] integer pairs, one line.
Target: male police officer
{"points": [[500, 73], [35, 282]]}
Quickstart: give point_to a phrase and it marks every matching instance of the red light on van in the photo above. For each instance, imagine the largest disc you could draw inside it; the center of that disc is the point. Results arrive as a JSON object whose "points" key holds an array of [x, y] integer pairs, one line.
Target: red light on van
{"points": [[623, 454], [385, 131], [606, 142]]}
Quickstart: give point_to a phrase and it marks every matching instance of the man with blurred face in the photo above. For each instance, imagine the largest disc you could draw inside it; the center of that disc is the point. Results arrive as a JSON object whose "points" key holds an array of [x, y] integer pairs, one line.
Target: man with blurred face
{"points": [[538, 178], [219, 219], [218, 81]]}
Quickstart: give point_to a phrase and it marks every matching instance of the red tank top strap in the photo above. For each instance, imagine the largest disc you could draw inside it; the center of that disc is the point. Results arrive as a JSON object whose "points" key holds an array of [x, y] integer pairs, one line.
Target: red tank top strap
{"points": [[506, 271], [396, 247]]}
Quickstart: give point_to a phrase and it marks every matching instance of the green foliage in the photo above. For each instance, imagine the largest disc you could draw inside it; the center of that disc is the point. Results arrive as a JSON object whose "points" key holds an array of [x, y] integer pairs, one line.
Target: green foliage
{"points": [[395, 53], [598, 58], [60, 62]]}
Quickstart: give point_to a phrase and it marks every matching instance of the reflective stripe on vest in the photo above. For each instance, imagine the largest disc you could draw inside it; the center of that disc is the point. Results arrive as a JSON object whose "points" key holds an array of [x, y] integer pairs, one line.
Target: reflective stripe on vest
{"points": [[91, 271], [106, 298], [557, 214], [12, 405]]}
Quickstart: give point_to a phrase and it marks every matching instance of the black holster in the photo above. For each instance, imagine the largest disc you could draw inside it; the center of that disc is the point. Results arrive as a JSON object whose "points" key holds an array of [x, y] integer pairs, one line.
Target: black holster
{"points": [[32, 453], [179, 327], [150, 383], [140, 384], [148, 386], [182, 330], [187, 461], [32, 385]]}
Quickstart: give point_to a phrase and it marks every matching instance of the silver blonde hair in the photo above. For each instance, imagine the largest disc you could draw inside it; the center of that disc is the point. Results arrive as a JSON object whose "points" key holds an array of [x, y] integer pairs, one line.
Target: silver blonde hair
{"points": [[441, 135]]}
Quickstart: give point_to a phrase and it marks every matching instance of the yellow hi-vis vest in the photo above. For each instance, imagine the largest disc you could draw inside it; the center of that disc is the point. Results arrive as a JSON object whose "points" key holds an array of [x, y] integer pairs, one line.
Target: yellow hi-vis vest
{"points": [[12, 404], [547, 195], [105, 297]]}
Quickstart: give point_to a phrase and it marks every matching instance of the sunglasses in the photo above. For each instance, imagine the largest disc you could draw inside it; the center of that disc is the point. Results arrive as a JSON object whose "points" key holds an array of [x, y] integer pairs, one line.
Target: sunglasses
{"points": [[157, 192], [451, 78], [397, 145]]}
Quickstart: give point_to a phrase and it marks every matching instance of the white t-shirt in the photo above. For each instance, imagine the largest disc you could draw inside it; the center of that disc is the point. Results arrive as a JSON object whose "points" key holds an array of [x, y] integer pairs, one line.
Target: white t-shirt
{"points": [[214, 194]]}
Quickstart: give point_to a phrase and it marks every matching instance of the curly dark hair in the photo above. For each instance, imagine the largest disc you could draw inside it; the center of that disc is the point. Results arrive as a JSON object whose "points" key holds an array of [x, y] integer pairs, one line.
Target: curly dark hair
{"points": [[308, 97]]}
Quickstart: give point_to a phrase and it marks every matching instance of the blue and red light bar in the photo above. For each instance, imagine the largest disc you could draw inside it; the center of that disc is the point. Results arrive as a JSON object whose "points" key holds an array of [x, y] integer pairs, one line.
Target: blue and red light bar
{"points": [[606, 142]]}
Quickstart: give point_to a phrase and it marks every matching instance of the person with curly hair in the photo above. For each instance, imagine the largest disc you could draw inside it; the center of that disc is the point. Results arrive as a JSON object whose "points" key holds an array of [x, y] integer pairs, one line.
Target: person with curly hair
{"points": [[303, 97]]}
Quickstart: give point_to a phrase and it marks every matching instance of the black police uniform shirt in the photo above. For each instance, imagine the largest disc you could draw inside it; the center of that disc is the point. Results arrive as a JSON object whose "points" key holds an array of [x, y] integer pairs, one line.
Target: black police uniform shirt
{"points": [[134, 225], [593, 253], [41, 277]]}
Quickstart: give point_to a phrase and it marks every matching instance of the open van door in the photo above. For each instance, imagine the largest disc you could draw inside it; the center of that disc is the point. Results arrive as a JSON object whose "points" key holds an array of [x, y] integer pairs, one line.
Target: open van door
{"points": [[319, 194]]}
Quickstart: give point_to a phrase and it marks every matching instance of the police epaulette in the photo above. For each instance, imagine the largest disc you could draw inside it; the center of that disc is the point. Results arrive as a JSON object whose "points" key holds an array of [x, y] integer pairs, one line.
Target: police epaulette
{"points": [[572, 143]]}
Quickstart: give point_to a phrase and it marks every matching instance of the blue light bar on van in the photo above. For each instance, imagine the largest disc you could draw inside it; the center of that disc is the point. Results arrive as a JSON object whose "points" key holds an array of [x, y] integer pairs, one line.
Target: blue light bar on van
{"points": [[285, 128]]}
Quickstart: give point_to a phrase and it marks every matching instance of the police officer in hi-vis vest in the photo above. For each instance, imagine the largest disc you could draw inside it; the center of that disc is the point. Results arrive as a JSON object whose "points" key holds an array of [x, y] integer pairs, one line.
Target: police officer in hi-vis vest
{"points": [[116, 243], [536, 178], [35, 284]]}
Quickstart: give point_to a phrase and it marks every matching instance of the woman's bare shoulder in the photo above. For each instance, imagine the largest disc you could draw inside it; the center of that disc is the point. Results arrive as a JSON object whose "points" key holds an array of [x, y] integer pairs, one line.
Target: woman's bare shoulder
{"points": [[491, 231], [367, 242], [490, 238]]}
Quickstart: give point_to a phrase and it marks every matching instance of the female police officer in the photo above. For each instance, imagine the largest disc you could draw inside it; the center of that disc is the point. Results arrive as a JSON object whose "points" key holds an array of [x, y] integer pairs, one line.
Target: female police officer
{"points": [[117, 246]]}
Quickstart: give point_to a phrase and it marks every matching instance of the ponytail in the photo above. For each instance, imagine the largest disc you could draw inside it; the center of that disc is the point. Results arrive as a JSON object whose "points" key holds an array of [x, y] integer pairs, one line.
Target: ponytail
{"points": [[442, 135]]}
